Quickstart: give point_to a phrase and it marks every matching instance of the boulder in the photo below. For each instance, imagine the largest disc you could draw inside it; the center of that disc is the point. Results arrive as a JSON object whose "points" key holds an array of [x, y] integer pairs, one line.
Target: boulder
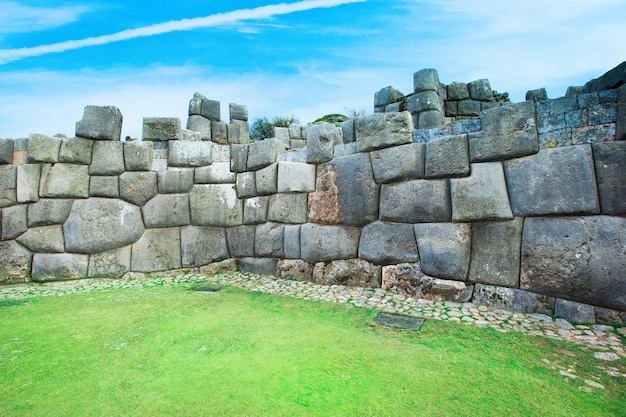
{"points": [[157, 250], [349, 272], [444, 249], [167, 210], [512, 299], [100, 123], [59, 267], [574, 312], [326, 243], [138, 187], [388, 243], [447, 157], [49, 211], [215, 205], [418, 201], [76, 151], [225, 266], [45, 239], [399, 163], [202, 245], [16, 263], [110, 264], [382, 130], [321, 141]]}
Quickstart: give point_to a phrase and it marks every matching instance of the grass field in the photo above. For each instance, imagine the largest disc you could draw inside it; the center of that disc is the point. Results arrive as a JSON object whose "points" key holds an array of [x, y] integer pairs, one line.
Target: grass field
{"points": [[169, 351]]}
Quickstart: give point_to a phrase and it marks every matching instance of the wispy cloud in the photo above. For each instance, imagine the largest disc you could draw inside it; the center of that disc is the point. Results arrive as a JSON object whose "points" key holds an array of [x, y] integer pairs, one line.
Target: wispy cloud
{"points": [[218, 19], [17, 18]]}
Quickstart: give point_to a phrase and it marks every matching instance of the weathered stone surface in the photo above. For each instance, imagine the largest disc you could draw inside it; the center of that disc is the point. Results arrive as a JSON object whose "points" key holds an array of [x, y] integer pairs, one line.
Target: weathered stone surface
{"points": [[246, 184], [388, 243], [348, 131], [241, 241], [104, 187], [101, 224], [425, 80], [219, 133], [468, 107], [8, 185], [481, 196], [158, 129], [264, 153], [620, 116], [48, 212], [382, 130], [6, 151], [458, 91], [138, 187], [238, 132], [46, 239], [28, 178], [423, 101], [480, 90], [201, 106], [216, 173], [138, 156], [189, 154], [14, 221], [221, 153], [537, 95], [609, 80], [444, 249], [294, 269], [554, 181], [157, 250], [608, 316], [59, 267], [324, 203], [167, 210], [447, 157], [574, 312], [294, 177], [418, 201], [267, 180], [576, 258], [175, 180], [200, 125], [110, 264], [610, 173], [16, 263], [268, 240], [238, 111], [239, 158], [288, 208], [399, 163], [281, 133], [202, 245], [255, 210], [225, 266], [76, 151], [386, 96], [291, 242], [508, 132], [264, 266], [512, 299], [108, 158], [215, 205], [321, 141], [350, 272], [100, 123], [42, 148], [495, 256], [327, 243], [191, 136], [403, 278]]}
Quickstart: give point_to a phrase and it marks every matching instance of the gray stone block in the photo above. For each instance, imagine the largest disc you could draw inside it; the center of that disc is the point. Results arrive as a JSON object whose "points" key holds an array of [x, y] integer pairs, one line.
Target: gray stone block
{"points": [[294, 269], [264, 153], [348, 131], [238, 112], [215, 205], [200, 125], [419, 201], [349, 272], [574, 312], [468, 107], [551, 123], [444, 249], [383, 130], [297, 144], [608, 316], [43, 148], [76, 151], [14, 221], [458, 91], [104, 187], [167, 210], [49, 211], [399, 163], [481, 196], [138, 156], [292, 241], [268, 240], [28, 178], [345, 149], [110, 264], [267, 180], [108, 158], [255, 210], [536, 95], [16, 263], [100, 123], [607, 81], [593, 134], [59, 267], [326, 243], [241, 241], [388, 243], [321, 141], [216, 173], [239, 158], [495, 256], [395, 107], [451, 108], [562, 105], [157, 250], [295, 177], [620, 114], [554, 181], [191, 136], [202, 106], [246, 185], [219, 133], [138, 187], [238, 132], [447, 157], [588, 100], [221, 153], [202, 245], [426, 100], [512, 299], [45, 239], [601, 114], [263, 266], [175, 180], [386, 96], [573, 91], [287, 208], [189, 154], [480, 90], [425, 80], [8, 185], [65, 181], [576, 258], [430, 119], [101, 224], [609, 160], [281, 133], [6, 151], [157, 129], [295, 131]]}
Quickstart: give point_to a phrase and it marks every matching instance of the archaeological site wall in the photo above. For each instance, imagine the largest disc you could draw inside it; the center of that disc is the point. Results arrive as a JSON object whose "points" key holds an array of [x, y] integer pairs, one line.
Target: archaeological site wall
{"points": [[450, 192]]}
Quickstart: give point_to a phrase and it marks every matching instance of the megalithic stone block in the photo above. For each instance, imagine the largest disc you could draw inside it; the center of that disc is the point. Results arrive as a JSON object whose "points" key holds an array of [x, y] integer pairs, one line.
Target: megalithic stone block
{"points": [[16, 262], [157, 129], [49, 267], [202, 245], [157, 250], [6, 151], [326, 243], [388, 243], [200, 125], [100, 123], [382, 130], [321, 141], [42, 148], [444, 249], [202, 106], [8, 185], [110, 264]]}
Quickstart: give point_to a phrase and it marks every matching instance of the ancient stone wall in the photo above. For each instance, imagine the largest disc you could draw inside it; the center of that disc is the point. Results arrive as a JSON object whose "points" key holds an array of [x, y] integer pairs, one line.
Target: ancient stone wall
{"points": [[522, 207]]}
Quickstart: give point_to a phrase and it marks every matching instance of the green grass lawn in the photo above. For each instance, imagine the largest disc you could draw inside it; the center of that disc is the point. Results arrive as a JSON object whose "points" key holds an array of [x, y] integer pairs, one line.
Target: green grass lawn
{"points": [[172, 352]]}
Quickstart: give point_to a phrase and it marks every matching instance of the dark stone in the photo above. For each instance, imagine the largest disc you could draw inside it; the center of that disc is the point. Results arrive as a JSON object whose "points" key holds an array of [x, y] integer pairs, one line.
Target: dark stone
{"points": [[610, 159], [536, 95], [447, 157], [100, 123], [426, 79], [8, 185], [263, 266], [327, 243], [241, 241], [458, 91], [562, 105], [574, 312], [161, 129], [423, 101], [399, 163], [608, 81], [199, 105], [480, 90], [382, 130], [620, 115], [14, 221], [386, 96], [399, 321], [444, 249], [268, 240], [512, 299], [388, 243], [468, 107], [239, 158], [419, 201], [6, 151]]}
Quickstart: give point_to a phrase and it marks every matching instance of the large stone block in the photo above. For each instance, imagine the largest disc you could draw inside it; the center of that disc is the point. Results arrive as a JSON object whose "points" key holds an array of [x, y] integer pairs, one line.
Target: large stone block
{"points": [[481, 196], [45, 239], [382, 130], [480, 90], [202, 245], [607, 81], [418, 201], [238, 112], [327, 243], [281, 133], [241, 241], [574, 312], [48, 212], [576, 258], [268, 240], [388, 243], [189, 154], [8, 185], [444, 249], [620, 116], [609, 161], [554, 181], [219, 133], [512, 299], [350, 272], [246, 184], [167, 210], [264, 153], [104, 187], [110, 264], [158, 129], [238, 132], [267, 180], [263, 266], [294, 177], [14, 221], [100, 123], [495, 256], [447, 157], [508, 132], [426, 79], [6, 151], [255, 210], [430, 119], [157, 250], [423, 101], [199, 105], [76, 151], [216, 173], [292, 241], [287, 208], [59, 267], [16, 263], [65, 181], [239, 158], [200, 125], [138, 156], [321, 141], [458, 91], [399, 163], [175, 180], [107, 159], [386, 96], [43, 148], [28, 178], [101, 224], [294, 269], [138, 187], [191, 136], [215, 205]]}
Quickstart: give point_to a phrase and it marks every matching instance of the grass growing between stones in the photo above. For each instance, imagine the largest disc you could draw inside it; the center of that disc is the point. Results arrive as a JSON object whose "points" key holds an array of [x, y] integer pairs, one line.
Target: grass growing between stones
{"points": [[168, 351]]}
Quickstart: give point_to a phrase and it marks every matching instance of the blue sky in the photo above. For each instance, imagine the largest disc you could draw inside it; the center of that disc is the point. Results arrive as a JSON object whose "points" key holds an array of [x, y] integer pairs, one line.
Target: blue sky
{"points": [[303, 58]]}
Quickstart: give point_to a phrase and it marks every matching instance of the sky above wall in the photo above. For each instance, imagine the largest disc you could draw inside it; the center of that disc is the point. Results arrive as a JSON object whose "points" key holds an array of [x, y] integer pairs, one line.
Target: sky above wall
{"points": [[302, 58]]}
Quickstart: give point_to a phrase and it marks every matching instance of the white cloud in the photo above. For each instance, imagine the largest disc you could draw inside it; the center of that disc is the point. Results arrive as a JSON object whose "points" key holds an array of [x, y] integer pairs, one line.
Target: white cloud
{"points": [[17, 18]]}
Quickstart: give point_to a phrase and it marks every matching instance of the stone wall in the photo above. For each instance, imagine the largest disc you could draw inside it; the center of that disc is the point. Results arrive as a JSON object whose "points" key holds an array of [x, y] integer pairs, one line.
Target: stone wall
{"points": [[520, 208]]}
